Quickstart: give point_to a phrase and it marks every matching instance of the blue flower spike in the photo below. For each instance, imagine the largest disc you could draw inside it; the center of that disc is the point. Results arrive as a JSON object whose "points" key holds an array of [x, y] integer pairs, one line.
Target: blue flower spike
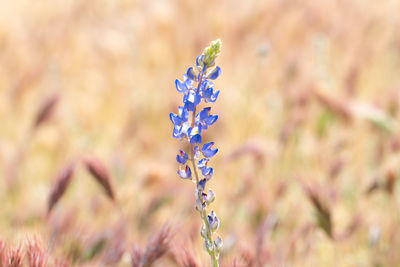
{"points": [[189, 123]]}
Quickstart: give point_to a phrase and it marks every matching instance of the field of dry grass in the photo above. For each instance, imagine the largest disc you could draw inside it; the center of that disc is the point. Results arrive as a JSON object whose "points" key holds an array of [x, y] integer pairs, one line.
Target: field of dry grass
{"points": [[307, 172]]}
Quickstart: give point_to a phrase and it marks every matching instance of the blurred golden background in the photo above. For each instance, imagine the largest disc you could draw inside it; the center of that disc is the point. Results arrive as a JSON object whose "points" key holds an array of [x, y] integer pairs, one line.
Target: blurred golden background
{"points": [[308, 133]]}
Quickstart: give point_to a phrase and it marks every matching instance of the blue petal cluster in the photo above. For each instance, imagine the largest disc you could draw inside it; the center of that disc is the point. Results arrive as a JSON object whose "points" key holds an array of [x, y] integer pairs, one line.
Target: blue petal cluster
{"points": [[195, 87], [188, 124]]}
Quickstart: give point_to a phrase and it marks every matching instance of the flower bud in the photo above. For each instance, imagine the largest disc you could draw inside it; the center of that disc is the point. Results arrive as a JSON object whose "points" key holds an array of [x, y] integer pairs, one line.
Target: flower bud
{"points": [[213, 221], [208, 246], [201, 185], [211, 52], [203, 231], [218, 243], [210, 197], [199, 205], [191, 74], [185, 173]]}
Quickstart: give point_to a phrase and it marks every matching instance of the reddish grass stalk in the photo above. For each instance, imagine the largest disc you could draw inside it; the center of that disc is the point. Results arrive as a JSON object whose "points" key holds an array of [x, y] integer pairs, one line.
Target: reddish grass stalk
{"points": [[323, 212], [3, 253], [99, 171], [15, 257], [61, 184], [155, 249], [336, 105], [36, 254], [136, 255], [46, 110], [183, 257], [247, 256]]}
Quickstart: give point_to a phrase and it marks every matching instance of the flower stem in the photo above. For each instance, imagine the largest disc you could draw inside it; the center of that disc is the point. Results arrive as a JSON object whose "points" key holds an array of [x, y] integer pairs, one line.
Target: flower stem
{"points": [[196, 175], [213, 254]]}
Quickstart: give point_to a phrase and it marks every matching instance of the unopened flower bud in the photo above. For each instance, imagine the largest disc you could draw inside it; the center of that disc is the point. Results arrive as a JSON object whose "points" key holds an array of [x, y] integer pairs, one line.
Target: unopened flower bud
{"points": [[218, 243], [210, 197], [199, 205], [208, 246], [203, 231], [213, 221], [211, 52]]}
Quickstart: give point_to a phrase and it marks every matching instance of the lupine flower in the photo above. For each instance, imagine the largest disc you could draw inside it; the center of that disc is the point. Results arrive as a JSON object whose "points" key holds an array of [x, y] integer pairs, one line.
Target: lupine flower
{"points": [[207, 172], [208, 151], [213, 221], [210, 197], [182, 157], [202, 163], [188, 124], [185, 173]]}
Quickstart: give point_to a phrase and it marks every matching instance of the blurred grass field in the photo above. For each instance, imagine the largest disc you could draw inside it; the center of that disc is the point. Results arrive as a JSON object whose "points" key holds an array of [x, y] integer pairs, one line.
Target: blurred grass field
{"points": [[308, 131]]}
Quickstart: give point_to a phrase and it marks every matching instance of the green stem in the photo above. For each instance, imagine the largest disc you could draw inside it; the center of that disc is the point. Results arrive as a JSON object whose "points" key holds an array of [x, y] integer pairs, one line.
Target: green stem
{"points": [[213, 254]]}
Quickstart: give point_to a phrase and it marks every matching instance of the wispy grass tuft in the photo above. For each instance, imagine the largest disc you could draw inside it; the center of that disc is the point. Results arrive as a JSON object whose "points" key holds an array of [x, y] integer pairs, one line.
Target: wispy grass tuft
{"points": [[15, 256], [156, 247], [37, 256]]}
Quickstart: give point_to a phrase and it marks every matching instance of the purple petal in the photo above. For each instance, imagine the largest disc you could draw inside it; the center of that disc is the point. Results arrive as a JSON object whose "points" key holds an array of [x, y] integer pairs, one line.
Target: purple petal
{"points": [[191, 74], [207, 172], [185, 173], [183, 114], [207, 93], [202, 163], [189, 106], [201, 185], [197, 99], [195, 139], [180, 86], [207, 145], [199, 62], [214, 96], [215, 73], [182, 157], [175, 119], [177, 131], [210, 152], [203, 114], [206, 84]]}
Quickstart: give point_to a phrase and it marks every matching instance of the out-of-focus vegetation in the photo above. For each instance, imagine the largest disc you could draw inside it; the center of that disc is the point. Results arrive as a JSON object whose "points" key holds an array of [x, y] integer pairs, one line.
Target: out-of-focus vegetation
{"points": [[309, 134]]}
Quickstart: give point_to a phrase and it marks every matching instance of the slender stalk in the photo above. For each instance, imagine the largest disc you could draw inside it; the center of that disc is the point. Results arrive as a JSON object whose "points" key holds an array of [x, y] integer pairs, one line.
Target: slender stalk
{"points": [[213, 254], [190, 129], [196, 175]]}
